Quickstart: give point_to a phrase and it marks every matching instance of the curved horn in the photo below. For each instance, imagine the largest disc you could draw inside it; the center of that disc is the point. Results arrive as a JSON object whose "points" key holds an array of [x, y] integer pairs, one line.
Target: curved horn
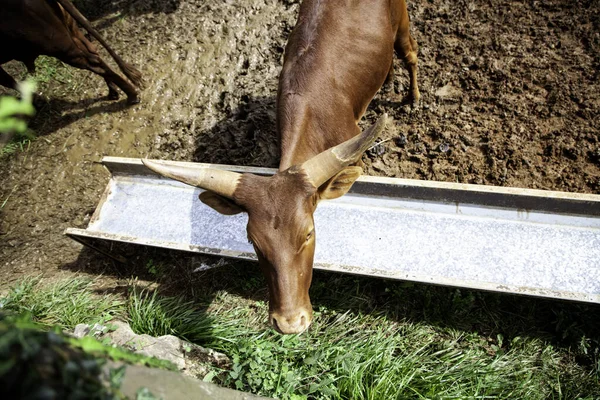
{"points": [[326, 164], [219, 181]]}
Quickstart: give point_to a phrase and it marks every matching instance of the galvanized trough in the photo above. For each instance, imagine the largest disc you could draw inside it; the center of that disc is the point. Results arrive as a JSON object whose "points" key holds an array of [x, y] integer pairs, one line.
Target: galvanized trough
{"points": [[531, 242]]}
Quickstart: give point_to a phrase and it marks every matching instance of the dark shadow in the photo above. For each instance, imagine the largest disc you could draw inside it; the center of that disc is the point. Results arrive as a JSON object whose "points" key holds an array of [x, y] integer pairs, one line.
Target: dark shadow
{"points": [[177, 273], [172, 273], [54, 114], [247, 136], [563, 323]]}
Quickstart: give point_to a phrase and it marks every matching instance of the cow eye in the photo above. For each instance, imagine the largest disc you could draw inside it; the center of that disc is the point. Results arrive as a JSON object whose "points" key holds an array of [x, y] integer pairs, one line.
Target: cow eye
{"points": [[310, 235]]}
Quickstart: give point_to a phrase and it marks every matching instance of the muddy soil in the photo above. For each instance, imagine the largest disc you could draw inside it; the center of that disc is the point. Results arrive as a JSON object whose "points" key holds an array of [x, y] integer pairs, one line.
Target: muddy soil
{"points": [[510, 96]]}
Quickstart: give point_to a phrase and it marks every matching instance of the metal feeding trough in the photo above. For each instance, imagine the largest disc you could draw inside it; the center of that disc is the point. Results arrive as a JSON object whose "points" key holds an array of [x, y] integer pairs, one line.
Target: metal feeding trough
{"points": [[531, 242]]}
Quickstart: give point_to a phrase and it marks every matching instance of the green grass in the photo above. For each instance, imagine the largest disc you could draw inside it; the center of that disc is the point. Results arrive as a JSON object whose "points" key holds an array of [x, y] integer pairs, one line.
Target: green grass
{"points": [[49, 69], [356, 356], [162, 315], [374, 339], [17, 145], [63, 304], [58, 80]]}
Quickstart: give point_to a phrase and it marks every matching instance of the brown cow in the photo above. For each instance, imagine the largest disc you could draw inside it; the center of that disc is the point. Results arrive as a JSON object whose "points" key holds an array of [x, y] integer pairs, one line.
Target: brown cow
{"points": [[337, 58], [30, 28]]}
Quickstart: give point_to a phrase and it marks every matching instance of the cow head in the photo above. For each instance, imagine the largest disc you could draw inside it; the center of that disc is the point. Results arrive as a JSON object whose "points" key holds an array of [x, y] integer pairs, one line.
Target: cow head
{"points": [[280, 217]]}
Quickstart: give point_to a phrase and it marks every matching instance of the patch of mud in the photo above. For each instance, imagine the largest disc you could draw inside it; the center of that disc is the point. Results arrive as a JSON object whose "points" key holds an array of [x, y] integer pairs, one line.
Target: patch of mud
{"points": [[510, 96]]}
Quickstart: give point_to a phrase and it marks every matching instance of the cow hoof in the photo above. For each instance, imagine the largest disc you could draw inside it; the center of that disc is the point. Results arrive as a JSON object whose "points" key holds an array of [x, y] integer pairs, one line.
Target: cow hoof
{"points": [[415, 97], [133, 99], [112, 96], [412, 100]]}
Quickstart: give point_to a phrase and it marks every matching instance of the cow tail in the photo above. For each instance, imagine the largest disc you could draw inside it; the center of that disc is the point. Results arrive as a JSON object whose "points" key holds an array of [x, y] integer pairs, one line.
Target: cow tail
{"points": [[134, 75]]}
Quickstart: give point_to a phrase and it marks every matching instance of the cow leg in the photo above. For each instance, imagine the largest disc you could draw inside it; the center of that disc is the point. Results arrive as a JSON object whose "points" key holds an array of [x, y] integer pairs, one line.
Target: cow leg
{"points": [[406, 48], [94, 63], [113, 92], [83, 43], [6, 80], [102, 69], [113, 80]]}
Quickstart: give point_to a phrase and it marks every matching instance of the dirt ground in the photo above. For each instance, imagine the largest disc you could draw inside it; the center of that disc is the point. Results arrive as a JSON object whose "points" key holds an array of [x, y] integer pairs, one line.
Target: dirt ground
{"points": [[510, 96]]}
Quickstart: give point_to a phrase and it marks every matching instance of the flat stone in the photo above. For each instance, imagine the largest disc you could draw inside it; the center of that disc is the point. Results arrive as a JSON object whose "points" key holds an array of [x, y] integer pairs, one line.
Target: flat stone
{"points": [[166, 347], [170, 385], [190, 358], [81, 330]]}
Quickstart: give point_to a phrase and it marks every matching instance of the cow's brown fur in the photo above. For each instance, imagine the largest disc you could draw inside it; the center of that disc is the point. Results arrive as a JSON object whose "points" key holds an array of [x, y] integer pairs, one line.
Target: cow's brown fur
{"points": [[337, 57], [35, 27]]}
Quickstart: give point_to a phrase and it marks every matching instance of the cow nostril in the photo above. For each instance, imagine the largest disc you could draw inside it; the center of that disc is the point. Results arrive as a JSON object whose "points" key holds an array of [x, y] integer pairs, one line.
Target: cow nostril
{"points": [[275, 325], [303, 320]]}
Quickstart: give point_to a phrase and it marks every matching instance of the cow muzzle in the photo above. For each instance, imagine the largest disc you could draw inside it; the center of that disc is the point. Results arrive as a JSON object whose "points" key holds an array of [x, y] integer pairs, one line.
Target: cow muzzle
{"points": [[289, 323]]}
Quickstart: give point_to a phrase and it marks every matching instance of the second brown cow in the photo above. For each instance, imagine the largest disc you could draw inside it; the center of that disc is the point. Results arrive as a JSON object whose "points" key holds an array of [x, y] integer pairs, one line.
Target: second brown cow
{"points": [[30, 28], [337, 57]]}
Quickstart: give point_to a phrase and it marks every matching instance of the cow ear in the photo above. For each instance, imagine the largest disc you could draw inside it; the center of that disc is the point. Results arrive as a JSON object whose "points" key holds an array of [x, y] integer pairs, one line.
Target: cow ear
{"points": [[219, 203], [339, 184]]}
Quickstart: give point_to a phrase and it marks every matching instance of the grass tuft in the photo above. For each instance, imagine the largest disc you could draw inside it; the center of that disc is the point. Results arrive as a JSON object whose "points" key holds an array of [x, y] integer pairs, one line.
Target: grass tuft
{"points": [[49, 69], [64, 304], [18, 145], [157, 316]]}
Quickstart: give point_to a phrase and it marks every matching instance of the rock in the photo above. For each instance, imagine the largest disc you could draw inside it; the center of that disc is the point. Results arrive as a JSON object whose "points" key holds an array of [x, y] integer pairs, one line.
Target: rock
{"points": [[378, 165], [166, 347], [190, 358], [401, 140], [171, 385], [444, 147], [81, 330], [377, 150]]}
